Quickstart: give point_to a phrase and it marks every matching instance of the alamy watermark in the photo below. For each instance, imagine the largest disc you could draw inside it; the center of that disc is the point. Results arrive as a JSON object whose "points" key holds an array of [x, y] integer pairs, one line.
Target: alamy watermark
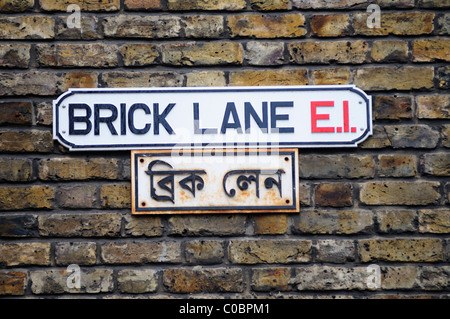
{"points": [[74, 279], [373, 280], [74, 19], [374, 19]]}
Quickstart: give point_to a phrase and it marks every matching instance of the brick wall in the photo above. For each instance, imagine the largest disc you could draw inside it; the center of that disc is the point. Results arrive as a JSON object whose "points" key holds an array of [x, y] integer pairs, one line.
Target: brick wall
{"points": [[383, 204]]}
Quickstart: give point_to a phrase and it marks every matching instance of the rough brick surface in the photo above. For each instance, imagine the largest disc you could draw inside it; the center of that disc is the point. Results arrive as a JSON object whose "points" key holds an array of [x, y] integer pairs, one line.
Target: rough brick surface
{"points": [[373, 220]]}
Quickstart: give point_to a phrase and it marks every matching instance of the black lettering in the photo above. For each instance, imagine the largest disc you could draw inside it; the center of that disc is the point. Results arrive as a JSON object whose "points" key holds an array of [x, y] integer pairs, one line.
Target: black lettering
{"points": [[161, 118], [123, 120], [274, 117], [250, 111], [197, 129], [133, 108], [79, 119], [236, 124], [108, 120]]}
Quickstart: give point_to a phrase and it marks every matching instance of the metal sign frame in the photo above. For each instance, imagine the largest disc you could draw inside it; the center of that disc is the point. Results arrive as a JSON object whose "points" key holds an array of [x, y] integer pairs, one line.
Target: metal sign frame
{"points": [[289, 157]]}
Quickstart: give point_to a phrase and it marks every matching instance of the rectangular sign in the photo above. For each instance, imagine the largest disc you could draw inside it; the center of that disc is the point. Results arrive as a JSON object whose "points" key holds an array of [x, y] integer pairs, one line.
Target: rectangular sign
{"points": [[227, 117], [205, 181]]}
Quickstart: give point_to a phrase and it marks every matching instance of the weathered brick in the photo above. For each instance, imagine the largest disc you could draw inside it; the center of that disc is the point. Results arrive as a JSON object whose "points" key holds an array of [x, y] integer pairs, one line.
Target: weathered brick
{"points": [[335, 251], [206, 225], [26, 197], [84, 196], [434, 3], [15, 254], [445, 135], [203, 280], [326, 52], [396, 3], [77, 55], [443, 77], [328, 4], [392, 107], [53, 281], [389, 78], [137, 281], [396, 23], [209, 53], [269, 5], [12, 282], [401, 249], [396, 221], [140, 54], [152, 27], [80, 253], [269, 77], [429, 50], [116, 196], [271, 279], [32, 82], [434, 278], [447, 190], [203, 26], [393, 165], [270, 224], [319, 277], [19, 113], [142, 79], [443, 24], [399, 277], [79, 79], [89, 29], [331, 76], [206, 5], [143, 4], [18, 225], [389, 51], [336, 166], [433, 106], [447, 250], [44, 113], [204, 252], [434, 221], [27, 27], [16, 5], [80, 225], [378, 139], [400, 193], [141, 252], [333, 222], [71, 168], [265, 26], [16, 170], [416, 136], [97, 5], [269, 251], [330, 25], [264, 53], [14, 56], [437, 164], [205, 78], [305, 194], [333, 194], [143, 226]]}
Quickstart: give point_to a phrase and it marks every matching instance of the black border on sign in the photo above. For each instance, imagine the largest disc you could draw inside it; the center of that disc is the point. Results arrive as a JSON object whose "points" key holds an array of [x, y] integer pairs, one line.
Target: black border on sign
{"points": [[216, 208], [351, 88]]}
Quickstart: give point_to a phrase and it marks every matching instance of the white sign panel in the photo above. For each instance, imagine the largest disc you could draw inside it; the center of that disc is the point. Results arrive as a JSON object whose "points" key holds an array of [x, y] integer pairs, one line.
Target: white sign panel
{"points": [[154, 118]]}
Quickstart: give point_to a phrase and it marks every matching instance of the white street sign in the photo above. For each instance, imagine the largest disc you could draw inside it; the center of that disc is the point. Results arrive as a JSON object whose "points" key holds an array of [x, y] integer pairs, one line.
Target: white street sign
{"points": [[212, 117]]}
